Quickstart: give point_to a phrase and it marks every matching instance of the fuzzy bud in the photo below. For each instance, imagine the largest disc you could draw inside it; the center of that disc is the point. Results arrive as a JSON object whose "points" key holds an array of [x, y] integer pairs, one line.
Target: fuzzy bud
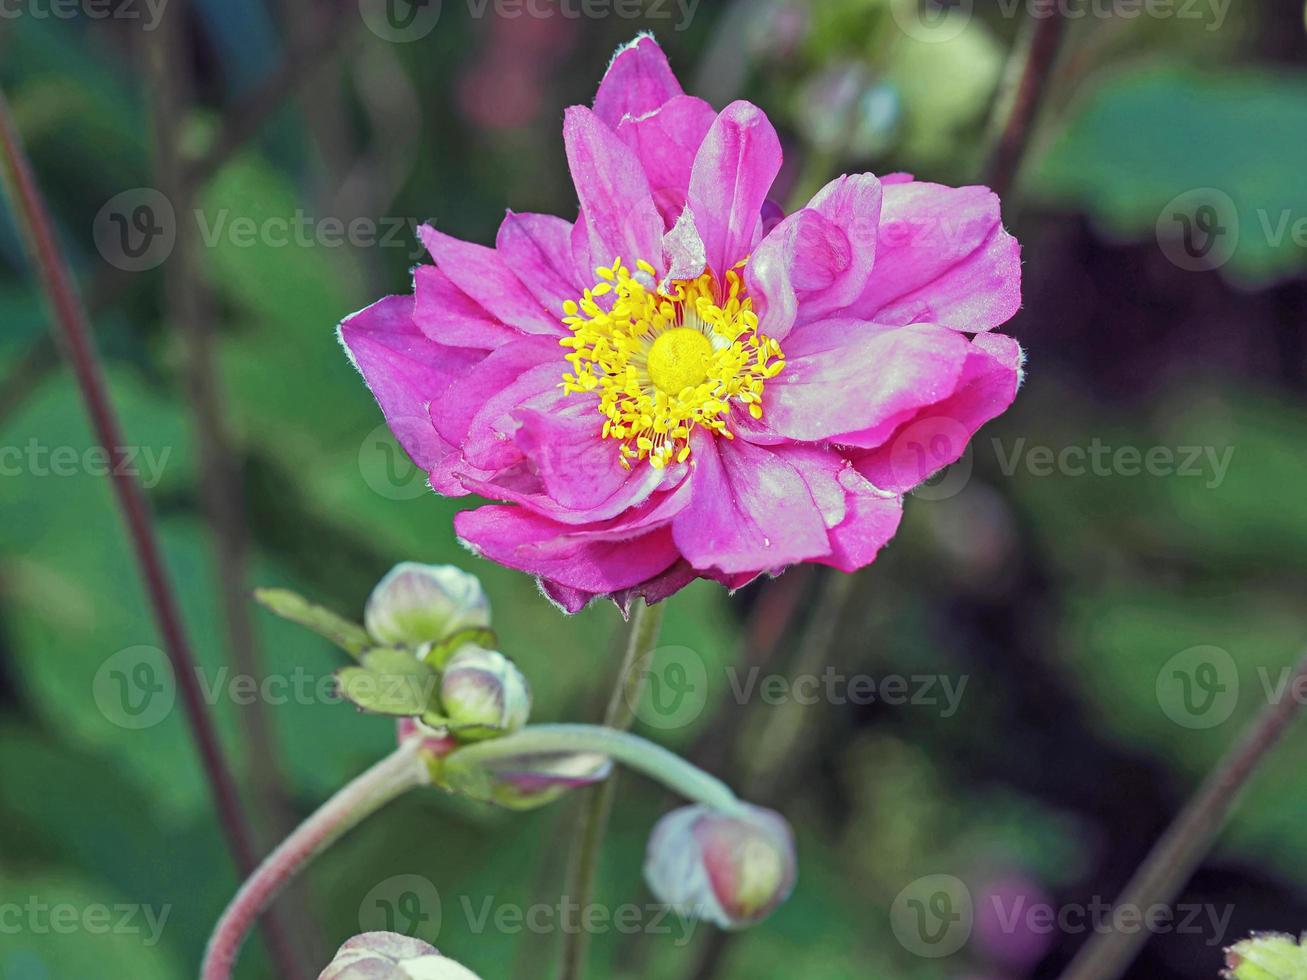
{"points": [[1267, 956], [483, 694], [390, 956], [418, 604], [729, 869]]}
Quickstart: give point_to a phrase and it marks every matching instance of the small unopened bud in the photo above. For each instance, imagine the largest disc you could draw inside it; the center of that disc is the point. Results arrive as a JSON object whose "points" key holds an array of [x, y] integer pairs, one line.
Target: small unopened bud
{"points": [[1267, 956], [729, 869], [390, 956], [483, 694], [417, 604], [521, 782]]}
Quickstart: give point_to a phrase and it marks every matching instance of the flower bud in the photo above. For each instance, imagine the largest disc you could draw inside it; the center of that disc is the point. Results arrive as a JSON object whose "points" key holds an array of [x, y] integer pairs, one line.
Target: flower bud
{"points": [[1266, 956], [522, 782], [390, 956], [483, 694], [729, 869], [417, 604]]}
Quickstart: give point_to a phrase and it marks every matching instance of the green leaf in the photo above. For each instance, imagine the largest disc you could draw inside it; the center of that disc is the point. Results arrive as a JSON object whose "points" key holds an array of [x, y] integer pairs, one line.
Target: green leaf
{"points": [[480, 636], [1144, 139], [350, 637], [391, 682]]}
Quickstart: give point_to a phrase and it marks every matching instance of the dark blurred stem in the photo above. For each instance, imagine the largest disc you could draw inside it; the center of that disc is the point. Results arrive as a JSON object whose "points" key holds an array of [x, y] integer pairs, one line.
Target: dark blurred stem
{"points": [[187, 311], [646, 622], [69, 318], [777, 749], [1017, 106], [1176, 856], [243, 121]]}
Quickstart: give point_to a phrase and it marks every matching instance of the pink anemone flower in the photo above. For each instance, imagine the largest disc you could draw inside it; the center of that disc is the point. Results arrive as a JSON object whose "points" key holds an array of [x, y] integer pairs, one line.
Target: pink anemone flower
{"points": [[682, 384]]}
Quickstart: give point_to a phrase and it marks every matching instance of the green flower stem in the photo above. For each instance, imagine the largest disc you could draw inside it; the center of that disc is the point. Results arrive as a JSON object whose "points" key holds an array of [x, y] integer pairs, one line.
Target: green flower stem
{"points": [[1176, 856], [402, 770], [646, 623], [632, 751]]}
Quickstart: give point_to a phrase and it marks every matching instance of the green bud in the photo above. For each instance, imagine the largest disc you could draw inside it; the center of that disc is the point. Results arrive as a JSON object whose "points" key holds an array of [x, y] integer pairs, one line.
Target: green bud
{"points": [[1267, 956], [483, 694], [420, 604]]}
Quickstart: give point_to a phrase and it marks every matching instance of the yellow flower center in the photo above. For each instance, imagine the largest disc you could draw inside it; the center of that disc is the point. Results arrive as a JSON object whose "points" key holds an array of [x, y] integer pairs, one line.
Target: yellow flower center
{"points": [[678, 359], [664, 363]]}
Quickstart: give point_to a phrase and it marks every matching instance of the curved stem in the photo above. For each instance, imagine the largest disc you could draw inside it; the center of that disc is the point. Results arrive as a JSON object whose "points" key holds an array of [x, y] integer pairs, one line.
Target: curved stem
{"points": [[394, 775], [1178, 853]]}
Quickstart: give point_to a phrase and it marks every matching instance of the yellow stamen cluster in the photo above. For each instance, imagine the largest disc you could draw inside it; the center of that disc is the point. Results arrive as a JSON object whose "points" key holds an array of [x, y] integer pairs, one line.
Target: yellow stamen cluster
{"points": [[664, 363]]}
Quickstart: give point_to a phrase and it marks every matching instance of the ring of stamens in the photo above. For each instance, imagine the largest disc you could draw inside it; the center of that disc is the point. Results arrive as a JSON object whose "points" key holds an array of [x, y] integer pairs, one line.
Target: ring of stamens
{"points": [[664, 363]]}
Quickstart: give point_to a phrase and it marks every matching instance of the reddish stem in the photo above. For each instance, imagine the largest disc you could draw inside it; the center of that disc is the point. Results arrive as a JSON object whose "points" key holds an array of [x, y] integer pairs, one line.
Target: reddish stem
{"points": [[399, 772], [71, 320]]}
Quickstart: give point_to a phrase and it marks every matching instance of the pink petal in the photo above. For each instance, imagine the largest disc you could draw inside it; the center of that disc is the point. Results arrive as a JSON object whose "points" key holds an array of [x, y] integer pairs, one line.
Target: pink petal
{"points": [[937, 434], [854, 382], [482, 274], [530, 543], [538, 249], [818, 260], [620, 218], [860, 518], [470, 394], [638, 81], [683, 254], [734, 169], [750, 510], [449, 316], [405, 371], [666, 141], [943, 257]]}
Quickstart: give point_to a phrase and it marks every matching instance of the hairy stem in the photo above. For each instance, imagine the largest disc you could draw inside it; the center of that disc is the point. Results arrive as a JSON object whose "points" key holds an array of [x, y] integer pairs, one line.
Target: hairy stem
{"points": [[646, 623], [1180, 850], [394, 775]]}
